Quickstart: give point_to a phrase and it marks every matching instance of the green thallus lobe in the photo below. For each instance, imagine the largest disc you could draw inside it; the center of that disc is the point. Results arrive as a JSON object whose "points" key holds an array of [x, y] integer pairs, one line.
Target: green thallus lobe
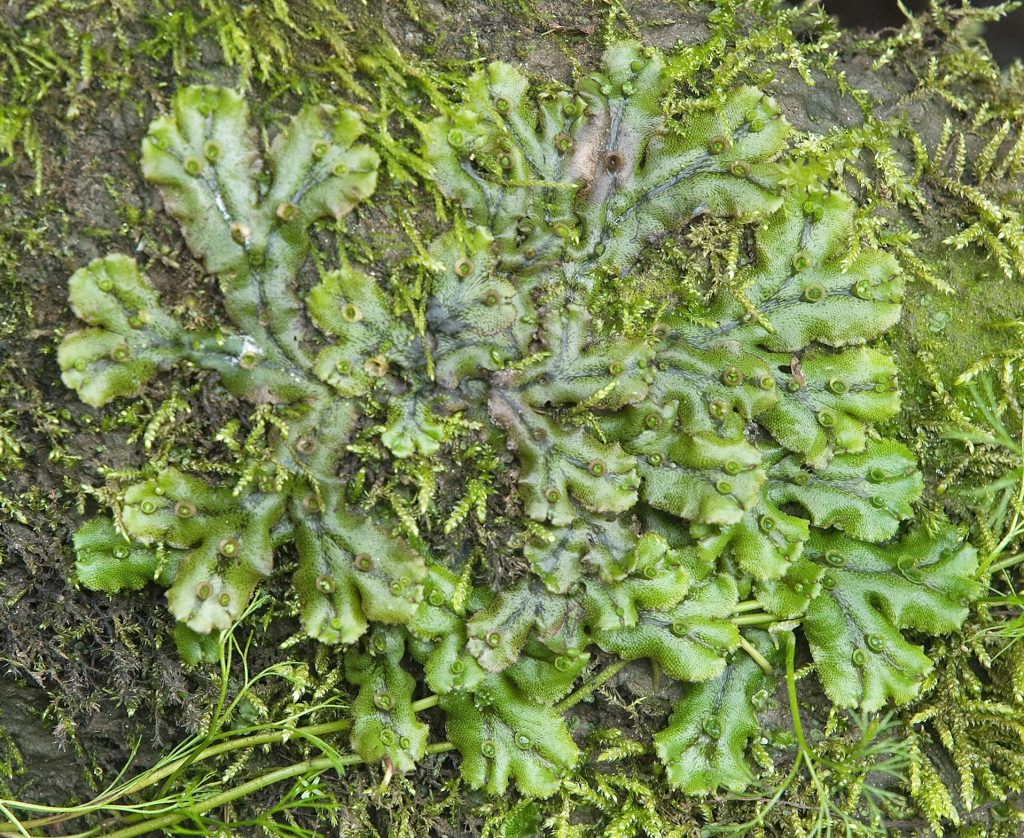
{"points": [[726, 460]]}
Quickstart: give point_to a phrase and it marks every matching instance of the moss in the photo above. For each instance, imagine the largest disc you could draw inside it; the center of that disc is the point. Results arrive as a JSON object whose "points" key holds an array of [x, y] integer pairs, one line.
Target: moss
{"points": [[910, 193]]}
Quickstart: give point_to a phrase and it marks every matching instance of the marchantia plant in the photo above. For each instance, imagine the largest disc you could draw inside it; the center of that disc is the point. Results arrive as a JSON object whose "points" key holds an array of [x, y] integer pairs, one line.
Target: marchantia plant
{"points": [[688, 496]]}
